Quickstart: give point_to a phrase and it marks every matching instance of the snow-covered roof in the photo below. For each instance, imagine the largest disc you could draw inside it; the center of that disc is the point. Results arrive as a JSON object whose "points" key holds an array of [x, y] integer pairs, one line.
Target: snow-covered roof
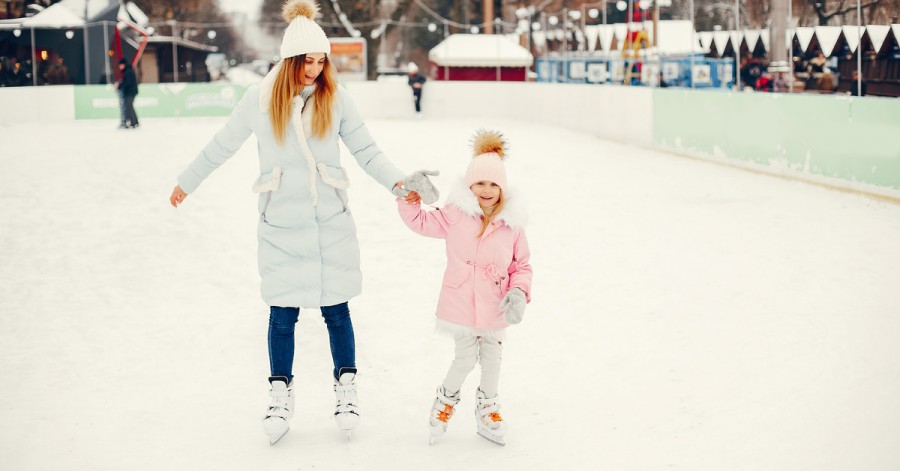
{"points": [[65, 14], [480, 50], [181, 42], [675, 37], [54, 16]]}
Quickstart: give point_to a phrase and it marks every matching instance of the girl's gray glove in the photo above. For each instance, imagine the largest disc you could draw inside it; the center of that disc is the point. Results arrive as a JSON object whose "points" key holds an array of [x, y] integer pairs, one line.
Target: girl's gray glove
{"points": [[419, 182], [513, 306]]}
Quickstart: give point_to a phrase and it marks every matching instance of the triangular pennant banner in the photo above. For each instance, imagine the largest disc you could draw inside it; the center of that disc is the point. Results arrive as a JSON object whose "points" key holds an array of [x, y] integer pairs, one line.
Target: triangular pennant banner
{"points": [[591, 32], [828, 36], [606, 34], [804, 35], [877, 34], [851, 34]]}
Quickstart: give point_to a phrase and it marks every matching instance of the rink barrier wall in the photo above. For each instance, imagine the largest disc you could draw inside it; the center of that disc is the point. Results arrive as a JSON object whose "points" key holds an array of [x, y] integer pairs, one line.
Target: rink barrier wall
{"points": [[37, 104], [835, 141]]}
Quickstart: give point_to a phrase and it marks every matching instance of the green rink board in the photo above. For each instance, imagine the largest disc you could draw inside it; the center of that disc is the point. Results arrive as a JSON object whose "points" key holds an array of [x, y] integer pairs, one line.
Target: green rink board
{"points": [[828, 135], [159, 100]]}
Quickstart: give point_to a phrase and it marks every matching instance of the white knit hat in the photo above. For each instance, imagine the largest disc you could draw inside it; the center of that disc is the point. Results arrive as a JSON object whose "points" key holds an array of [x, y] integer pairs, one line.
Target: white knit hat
{"points": [[487, 164], [302, 35], [412, 67]]}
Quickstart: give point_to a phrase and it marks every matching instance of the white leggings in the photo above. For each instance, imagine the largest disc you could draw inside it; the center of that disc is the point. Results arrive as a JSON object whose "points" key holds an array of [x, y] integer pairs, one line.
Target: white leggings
{"points": [[469, 350]]}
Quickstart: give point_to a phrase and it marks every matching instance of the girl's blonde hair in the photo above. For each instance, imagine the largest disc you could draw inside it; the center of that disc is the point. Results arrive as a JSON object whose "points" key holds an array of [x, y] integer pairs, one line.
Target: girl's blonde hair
{"points": [[288, 84], [485, 220]]}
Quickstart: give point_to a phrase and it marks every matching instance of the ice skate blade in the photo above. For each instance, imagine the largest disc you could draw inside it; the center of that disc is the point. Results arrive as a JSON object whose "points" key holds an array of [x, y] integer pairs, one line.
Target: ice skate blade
{"points": [[273, 439], [497, 440], [434, 433]]}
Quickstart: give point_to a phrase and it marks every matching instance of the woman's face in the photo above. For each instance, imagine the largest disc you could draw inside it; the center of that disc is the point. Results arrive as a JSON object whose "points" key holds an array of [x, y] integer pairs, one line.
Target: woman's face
{"points": [[312, 67], [488, 193]]}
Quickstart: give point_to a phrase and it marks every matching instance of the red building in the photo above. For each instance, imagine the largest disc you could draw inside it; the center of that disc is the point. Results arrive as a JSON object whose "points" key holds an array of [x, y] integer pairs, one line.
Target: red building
{"points": [[487, 57]]}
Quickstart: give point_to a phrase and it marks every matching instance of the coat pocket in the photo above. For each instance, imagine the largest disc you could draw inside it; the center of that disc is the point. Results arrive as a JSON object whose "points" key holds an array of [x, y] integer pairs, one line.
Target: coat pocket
{"points": [[456, 278], [265, 185], [334, 176], [269, 181]]}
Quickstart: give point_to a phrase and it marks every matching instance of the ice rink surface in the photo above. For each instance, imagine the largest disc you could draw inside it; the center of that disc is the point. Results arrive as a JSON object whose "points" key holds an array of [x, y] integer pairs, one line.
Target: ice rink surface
{"points": [[685, 315]]}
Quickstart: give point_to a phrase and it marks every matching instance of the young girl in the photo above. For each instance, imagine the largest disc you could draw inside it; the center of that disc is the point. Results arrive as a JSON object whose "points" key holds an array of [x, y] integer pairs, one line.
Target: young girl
{"points": [[487, 281]]}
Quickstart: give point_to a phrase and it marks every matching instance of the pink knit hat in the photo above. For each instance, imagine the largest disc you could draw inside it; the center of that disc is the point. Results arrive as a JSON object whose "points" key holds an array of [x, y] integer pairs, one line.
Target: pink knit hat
{"points": [[487, 164]]}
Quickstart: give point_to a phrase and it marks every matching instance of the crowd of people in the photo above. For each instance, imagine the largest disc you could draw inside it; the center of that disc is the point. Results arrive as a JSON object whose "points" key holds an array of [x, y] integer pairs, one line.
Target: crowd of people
{"points": [[811, 75], [18, 73]]}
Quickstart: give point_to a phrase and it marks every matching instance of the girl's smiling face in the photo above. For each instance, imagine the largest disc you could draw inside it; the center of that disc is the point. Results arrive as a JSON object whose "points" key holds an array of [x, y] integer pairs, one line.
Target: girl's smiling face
{"points": [[488, 193]]}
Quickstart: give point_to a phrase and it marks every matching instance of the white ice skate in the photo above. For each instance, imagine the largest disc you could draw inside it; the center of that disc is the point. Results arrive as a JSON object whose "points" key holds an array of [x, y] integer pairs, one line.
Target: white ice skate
{"points": [[441, 411], [281, 408], [487, 414], [346, 409]]}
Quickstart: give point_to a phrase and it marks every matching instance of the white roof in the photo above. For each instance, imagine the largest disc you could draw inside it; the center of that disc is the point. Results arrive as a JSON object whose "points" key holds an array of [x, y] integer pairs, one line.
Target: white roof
{"points": [[54, 16], [65, 14], [181, 42], [675, 38], [479, 50]]}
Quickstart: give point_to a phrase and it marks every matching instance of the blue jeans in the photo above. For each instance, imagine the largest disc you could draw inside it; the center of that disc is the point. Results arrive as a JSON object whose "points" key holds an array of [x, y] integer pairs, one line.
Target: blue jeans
{"points": [[281, 338]]}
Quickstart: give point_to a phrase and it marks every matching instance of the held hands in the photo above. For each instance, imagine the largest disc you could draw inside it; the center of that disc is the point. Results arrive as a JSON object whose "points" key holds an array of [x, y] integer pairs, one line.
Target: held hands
{"points": [[178, 196], [418, 182], [513, 306]]}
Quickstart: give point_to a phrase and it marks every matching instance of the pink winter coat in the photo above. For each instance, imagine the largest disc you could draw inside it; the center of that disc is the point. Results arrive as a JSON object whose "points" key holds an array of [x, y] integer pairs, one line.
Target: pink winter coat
{"points": [[480, 271]]}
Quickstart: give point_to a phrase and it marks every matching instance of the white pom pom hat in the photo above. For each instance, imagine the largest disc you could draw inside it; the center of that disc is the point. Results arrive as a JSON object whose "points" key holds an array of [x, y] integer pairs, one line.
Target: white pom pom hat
{"points": [[487, 164], [303, 35]]}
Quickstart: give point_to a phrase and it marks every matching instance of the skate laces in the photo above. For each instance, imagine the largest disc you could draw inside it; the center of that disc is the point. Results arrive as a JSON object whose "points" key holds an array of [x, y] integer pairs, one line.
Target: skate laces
{"points": [[278, 407], [444, 415]]}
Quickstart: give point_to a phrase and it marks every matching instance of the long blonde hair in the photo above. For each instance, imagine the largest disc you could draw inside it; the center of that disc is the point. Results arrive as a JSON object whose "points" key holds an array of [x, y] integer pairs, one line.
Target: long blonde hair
{"points": [[288, 84], [487, 219]]}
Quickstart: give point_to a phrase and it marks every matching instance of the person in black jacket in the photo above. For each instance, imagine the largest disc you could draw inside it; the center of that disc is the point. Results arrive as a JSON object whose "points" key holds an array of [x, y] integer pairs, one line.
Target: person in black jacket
{"points": [[416, 80], [128, 89]]}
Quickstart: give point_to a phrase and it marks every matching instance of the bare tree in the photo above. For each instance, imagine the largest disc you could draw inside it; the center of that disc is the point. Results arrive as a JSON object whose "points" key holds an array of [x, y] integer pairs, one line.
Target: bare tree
{"points": [[825, 11]]}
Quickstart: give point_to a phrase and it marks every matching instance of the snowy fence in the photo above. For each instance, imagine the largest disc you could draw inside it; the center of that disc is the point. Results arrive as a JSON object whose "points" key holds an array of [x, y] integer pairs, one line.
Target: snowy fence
{"points": [[836, 140]]}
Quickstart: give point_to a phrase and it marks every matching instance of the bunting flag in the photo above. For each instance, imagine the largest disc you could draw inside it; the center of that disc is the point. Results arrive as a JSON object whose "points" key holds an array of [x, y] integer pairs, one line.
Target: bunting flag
{"points": [[720, 40], [706, 39], [752, 38], [828, 36], [591, 32], [620, 30], [606, 34], [736, 37], [877, 34], [851, 34], [539, 39], [804, 35]]}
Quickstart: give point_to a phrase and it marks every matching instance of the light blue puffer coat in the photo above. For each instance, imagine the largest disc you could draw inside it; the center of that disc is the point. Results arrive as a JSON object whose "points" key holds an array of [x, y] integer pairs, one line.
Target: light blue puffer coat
{"points": [[308, 250]]}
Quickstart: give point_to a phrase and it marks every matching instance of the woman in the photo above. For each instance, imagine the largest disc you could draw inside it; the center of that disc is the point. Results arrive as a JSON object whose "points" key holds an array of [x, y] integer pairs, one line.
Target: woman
{"points": [[308, 250]]}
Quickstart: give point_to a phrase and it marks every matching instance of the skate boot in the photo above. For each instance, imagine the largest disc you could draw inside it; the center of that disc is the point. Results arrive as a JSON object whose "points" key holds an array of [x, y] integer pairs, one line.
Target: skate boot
{"points": [[487, 414], [346, 409], [441, 411], [281, 408]]}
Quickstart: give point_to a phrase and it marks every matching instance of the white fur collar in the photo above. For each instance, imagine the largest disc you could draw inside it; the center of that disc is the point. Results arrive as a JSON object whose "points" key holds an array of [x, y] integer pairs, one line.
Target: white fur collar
{"points": [[514, 213], [265, 87]]}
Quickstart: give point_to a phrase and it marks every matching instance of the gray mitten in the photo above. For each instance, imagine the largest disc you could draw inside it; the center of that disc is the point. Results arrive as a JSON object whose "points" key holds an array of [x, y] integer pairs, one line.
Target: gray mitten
{"points": [[419, 182], [513, 306]]}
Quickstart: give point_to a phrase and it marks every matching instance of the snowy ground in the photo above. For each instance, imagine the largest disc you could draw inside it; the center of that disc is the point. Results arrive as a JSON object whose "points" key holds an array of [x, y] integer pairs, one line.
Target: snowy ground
{"points": [[686, 315]]}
